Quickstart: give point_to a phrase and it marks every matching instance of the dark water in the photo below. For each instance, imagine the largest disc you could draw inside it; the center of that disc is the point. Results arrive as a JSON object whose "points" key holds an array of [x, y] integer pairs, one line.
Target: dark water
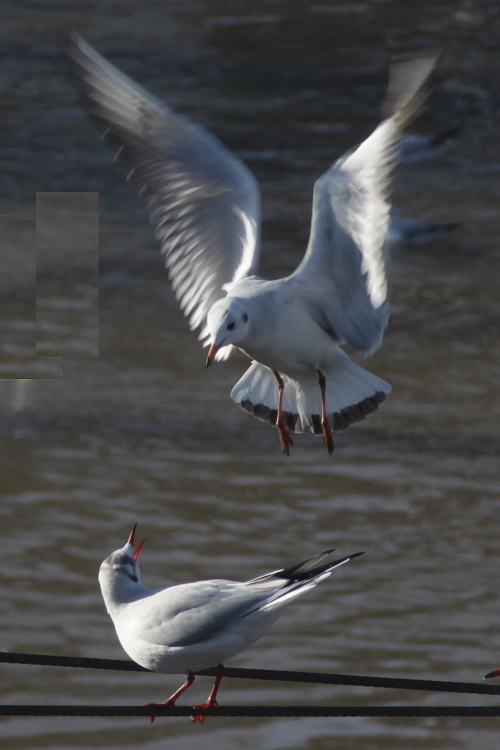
{"points": [[144, 433]]}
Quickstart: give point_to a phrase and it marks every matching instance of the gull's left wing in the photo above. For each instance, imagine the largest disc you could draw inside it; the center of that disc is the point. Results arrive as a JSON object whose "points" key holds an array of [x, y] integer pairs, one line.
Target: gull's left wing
{"points": [[342, 276]]}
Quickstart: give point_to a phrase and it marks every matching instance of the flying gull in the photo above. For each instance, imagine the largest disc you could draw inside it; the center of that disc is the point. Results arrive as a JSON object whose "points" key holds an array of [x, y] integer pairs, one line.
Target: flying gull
{"points": [[206, 207]]}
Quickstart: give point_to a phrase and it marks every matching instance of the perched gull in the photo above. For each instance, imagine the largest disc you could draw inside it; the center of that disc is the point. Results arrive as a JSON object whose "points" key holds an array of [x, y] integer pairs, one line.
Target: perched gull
{"points": [[192, 626], [414, 230], [206, 206]]}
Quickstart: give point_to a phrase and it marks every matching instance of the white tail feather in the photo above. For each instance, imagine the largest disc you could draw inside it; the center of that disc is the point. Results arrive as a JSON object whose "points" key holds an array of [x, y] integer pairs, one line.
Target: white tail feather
{"points": [[351, 393]]}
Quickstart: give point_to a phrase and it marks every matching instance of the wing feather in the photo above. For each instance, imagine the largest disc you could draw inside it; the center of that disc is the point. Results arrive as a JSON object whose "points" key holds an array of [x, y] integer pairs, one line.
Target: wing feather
{"points": [[204, 201], [189, 613], [342, 276]]}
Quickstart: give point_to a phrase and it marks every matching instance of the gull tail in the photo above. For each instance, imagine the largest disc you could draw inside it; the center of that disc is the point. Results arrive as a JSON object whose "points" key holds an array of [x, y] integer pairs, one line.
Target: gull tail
{"points": [[299, 578], [352, 393]]}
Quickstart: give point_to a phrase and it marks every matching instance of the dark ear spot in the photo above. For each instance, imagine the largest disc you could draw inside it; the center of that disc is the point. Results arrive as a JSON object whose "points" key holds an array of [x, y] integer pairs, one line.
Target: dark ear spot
{"points": [[230, 326], [245, 317]]}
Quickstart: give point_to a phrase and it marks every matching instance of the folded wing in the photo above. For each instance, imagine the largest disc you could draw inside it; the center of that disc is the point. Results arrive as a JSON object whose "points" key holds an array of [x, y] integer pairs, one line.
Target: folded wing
{"points": [[192, 613]]}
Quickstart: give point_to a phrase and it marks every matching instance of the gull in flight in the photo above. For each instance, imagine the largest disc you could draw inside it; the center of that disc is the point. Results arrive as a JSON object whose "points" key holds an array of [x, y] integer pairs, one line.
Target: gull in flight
{"points": [[192, 626], [206, 207]]}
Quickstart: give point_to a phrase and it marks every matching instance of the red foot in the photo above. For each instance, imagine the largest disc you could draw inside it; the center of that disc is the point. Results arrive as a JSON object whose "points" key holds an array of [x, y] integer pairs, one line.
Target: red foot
{"points": [[284, 433], [327, 435], [286, 440], [325, 425], [206, 704], [211, 698], [171, 701]]}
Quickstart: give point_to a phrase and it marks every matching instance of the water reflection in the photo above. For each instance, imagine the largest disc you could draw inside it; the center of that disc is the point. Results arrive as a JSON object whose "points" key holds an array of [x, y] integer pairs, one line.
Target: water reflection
{"points": [[143, 433]]}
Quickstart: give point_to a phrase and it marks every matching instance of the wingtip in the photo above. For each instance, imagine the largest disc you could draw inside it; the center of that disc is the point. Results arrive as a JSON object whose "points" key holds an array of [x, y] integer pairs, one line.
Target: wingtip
{"points": [[408, 82], [76, 44], [356, 554]]}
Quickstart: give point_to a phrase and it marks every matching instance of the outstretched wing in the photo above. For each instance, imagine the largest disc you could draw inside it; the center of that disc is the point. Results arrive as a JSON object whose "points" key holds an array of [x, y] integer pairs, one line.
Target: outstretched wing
{"points": [[342, 276], [204, 201]]}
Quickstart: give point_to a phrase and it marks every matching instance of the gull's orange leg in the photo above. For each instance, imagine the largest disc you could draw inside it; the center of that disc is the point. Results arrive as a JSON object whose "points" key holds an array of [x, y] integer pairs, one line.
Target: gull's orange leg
{"points": [[171, 701], [284, 433], [325, 425], [213, 694]]}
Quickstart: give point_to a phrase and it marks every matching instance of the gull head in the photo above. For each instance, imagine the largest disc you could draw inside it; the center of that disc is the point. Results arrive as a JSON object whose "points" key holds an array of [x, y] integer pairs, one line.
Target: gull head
{"points": [[228, 323], [120, 571]]}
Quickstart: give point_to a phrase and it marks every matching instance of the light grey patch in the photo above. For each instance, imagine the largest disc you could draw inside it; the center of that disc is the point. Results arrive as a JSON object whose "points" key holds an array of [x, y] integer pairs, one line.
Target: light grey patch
{"points": [[18, 310], [67, 274]]}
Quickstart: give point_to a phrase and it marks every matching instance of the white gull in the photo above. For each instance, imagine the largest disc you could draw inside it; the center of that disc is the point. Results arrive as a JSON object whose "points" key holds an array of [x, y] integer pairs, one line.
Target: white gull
{"points": [[206, 206], [193, 626]]}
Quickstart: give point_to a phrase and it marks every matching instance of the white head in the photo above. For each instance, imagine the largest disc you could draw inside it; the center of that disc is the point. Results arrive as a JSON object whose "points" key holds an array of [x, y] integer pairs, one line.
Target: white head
{"points": [[119, 574], [228, 323]]}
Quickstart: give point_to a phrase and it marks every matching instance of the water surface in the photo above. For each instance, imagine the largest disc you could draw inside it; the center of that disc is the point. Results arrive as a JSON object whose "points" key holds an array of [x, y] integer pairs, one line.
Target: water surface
{"points": [[144, 433]]}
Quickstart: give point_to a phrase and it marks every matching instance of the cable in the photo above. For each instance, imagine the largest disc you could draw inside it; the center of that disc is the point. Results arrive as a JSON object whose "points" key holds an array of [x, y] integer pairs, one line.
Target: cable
{"points": [[312, 711], [47, 660], [263, 674]]}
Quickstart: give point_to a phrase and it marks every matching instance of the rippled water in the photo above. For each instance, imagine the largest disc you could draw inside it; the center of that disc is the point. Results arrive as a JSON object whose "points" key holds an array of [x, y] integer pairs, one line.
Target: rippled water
{"points": [[144, 433]]}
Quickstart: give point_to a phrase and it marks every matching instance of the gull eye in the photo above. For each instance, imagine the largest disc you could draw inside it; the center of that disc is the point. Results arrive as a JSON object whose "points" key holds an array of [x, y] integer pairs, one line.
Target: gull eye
{"points": [[230, 326], [245, 317]]}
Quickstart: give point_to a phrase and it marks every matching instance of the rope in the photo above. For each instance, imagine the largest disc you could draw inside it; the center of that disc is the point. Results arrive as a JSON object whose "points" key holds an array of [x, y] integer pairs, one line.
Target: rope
{"points": [[359, 681], [263, 674], [47, 660], [316, 711]]}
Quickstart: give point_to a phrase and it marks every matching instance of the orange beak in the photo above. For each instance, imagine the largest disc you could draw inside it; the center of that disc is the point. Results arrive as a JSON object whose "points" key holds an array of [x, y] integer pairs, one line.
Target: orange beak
{"points": [[131, 537], [494, 673], [211, 354], [138, 549]]}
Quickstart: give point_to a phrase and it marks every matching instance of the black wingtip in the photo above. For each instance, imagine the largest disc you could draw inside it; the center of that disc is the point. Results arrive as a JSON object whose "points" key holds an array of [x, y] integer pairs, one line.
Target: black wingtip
{"points": [[356, 554], [343, 560]]}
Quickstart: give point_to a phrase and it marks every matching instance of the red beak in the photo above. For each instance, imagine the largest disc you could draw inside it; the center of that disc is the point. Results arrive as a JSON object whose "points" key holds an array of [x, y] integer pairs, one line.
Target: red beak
{"points": [[493, 673], [138, 549], [132, 535], [211, 354]]}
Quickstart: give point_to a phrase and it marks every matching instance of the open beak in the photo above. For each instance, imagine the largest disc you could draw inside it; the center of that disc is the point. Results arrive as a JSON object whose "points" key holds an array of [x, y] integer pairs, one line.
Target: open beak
{"points": [[131, 540], [211, 354], [493, 673], [138, 549], [132, 535]]}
